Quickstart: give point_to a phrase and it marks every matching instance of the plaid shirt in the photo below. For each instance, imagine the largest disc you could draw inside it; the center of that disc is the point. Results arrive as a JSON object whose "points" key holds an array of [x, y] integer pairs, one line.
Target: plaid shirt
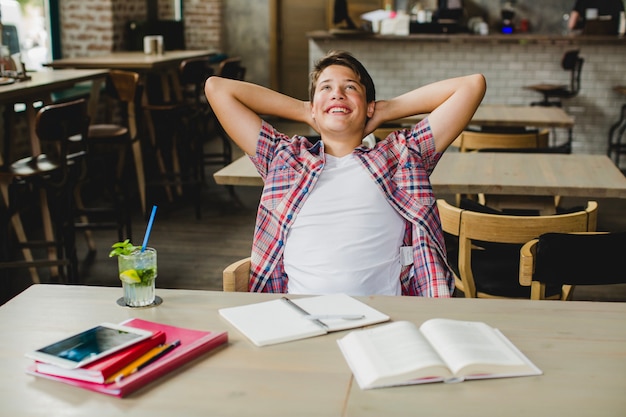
{"points": [[400, 165]]}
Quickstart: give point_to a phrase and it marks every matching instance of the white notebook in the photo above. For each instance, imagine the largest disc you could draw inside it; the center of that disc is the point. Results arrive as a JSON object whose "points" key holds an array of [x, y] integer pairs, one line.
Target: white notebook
{"points": [[285, 319]]}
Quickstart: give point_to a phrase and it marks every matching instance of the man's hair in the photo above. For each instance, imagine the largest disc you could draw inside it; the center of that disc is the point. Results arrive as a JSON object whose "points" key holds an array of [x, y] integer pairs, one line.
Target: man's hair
{"points": [[347, 60]]}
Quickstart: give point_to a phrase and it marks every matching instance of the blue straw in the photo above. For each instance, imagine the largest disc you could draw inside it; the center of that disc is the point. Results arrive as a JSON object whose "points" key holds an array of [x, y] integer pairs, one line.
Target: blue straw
{"points": [[148, 229]]}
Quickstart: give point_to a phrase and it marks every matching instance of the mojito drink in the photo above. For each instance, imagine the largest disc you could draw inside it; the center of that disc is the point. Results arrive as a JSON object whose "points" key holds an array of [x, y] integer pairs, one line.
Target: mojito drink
{"points": [[137, 273]]}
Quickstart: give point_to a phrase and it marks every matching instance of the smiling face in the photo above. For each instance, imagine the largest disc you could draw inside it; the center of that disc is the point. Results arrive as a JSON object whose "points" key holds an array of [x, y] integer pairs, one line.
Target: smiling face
{"points": [[340, 105]]}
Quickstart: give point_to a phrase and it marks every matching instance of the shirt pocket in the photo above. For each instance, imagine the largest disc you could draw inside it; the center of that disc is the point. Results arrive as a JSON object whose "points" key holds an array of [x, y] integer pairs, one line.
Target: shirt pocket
{"points": [[279, 180], [411, 178]]}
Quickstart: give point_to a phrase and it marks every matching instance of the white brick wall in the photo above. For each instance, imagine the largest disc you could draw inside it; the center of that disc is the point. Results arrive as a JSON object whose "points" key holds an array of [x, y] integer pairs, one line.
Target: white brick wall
{"points": [[398, 66]]}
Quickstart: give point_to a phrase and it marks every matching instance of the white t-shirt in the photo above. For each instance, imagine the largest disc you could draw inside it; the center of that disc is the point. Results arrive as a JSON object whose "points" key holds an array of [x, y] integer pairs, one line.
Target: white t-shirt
{"points": [[346, 238]]}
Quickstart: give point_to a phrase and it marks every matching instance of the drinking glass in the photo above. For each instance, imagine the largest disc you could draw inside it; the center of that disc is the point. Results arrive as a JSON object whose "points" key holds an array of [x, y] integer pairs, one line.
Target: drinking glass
{"points": [[138, 271]]}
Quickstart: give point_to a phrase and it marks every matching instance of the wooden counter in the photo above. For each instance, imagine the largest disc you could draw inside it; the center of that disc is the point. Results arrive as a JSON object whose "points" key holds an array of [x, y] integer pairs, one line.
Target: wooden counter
{"points": [[497, 38]]}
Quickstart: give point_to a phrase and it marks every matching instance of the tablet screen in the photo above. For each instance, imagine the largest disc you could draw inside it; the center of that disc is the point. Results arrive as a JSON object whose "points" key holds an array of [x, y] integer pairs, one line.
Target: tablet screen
{"points": [[90, 343]]}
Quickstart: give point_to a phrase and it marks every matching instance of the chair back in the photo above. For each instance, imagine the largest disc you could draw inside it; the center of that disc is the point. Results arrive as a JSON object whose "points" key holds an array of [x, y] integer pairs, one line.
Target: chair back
{"points": [[126, 85], [236, 276], [570, 259], [474, 229], [573, 63], [232, 68], [193, 74], [471, 141], [62, 129]]}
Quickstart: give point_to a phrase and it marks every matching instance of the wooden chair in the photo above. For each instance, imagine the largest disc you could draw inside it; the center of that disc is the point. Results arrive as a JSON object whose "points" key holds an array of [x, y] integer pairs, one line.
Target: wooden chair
{"points": [[554, 93], [570, 259], [472, 141], [487, 254], [236, 276]]}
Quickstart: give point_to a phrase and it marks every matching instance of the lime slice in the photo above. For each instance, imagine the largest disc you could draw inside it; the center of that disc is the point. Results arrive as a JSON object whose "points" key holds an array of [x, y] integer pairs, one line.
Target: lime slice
{"points": [[130, 276]]}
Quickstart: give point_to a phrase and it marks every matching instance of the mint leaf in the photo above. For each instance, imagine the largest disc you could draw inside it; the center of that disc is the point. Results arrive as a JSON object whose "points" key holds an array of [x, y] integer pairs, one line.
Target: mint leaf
{"points": [[122, 248]]}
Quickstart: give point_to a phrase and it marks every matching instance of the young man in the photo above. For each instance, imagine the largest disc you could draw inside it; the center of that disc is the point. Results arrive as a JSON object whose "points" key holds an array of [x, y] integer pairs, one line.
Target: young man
{"points": [[337, 216]]}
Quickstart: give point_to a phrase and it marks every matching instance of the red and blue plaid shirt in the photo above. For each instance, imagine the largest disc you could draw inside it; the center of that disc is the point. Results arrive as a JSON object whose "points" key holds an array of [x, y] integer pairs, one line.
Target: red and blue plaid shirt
{"points": [[400, 165]]}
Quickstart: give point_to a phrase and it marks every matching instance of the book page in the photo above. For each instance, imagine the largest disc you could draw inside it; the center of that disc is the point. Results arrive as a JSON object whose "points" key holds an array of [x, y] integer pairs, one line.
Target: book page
{"points": [[474, 348], [393, 354]]}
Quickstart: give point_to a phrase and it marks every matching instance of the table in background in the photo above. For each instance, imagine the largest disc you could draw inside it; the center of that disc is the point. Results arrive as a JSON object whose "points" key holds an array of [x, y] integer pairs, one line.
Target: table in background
{"points": [[578, 345], [165, 65], [40, 87], [566, 175], [522, 116], [504, 116]]}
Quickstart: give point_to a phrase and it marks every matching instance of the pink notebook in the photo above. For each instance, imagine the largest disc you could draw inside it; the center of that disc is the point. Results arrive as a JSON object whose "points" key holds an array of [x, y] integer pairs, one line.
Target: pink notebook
{"points": [[193, 343]]}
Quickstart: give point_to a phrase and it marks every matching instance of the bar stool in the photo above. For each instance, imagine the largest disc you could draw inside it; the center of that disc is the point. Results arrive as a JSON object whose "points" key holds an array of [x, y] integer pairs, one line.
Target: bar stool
{"points": [[193, 74], [554, 93], [172, 146], [122, 89], [229, 68], [61, 129]]}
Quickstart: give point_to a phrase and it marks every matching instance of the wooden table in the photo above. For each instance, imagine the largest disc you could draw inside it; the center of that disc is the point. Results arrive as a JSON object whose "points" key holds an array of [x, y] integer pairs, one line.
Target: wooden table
{"points": [[567, 175], [165, 64], [513, 116], [42, 84], [578, 345]]}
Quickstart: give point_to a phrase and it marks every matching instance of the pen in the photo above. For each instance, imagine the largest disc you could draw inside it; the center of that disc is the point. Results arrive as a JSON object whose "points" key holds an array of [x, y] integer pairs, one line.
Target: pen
{"points": [[334, 316], [304, 312], [159, 355], [143, 361]]}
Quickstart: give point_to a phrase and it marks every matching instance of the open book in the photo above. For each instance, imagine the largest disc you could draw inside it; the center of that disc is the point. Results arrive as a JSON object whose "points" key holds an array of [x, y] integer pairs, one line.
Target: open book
{"points": [[440, 350], [286, 319]]}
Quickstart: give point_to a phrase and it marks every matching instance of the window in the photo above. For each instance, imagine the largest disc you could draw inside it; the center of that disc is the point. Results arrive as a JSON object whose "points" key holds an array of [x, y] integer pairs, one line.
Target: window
{"points": [[26, 30]]}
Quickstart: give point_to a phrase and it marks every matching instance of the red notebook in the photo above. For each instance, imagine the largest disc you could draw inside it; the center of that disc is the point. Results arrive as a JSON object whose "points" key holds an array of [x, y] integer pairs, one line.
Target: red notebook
{"points": [[193, 343], [102, 369]]}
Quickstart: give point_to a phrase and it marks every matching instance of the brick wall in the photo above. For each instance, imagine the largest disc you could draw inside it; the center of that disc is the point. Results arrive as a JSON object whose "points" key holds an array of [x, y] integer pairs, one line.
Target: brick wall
{"points": [[203, 24], [399, 66], [90, 27]]}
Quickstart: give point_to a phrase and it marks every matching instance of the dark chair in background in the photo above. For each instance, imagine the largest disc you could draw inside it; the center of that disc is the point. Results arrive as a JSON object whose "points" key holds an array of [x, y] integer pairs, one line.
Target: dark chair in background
{"points": [[53, 174], [570, 259], [173, 150], [108, 143], [228, 68], [616, 147], [554, 93], [193, 75]]}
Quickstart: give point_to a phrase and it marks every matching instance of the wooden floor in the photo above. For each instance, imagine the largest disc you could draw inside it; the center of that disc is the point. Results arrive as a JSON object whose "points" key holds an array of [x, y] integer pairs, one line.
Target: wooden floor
{"points": [[193, 252]]}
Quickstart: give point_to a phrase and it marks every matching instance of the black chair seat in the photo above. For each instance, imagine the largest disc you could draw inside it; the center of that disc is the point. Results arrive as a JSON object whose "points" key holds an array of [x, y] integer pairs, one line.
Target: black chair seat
{"points": [[108, 133], [30, 166], [561, 258]]}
